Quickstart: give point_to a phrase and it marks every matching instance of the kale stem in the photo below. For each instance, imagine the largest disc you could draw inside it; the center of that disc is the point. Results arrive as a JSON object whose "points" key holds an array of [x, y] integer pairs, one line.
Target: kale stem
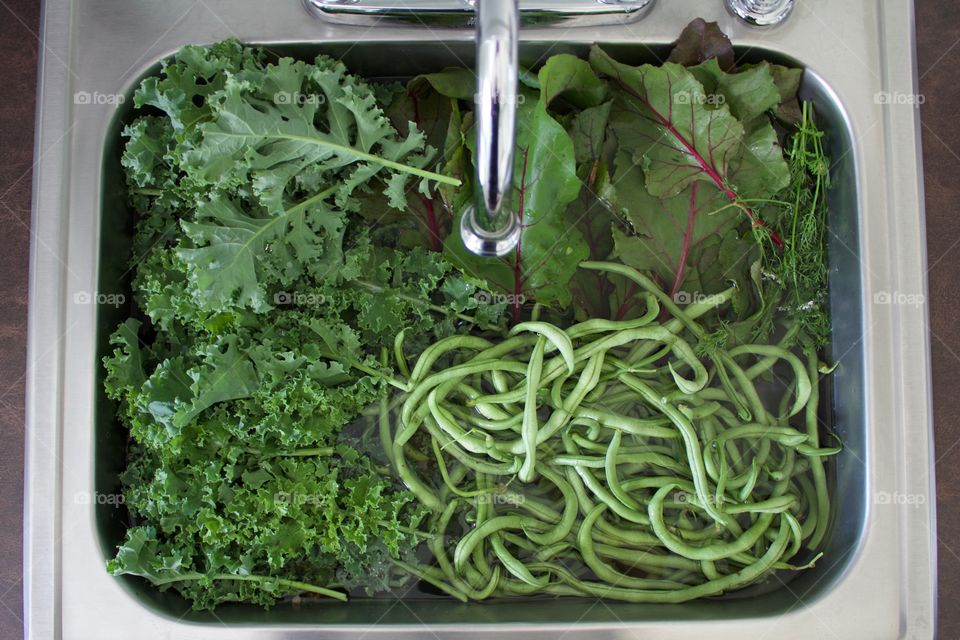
{"points": [[373, 372], [347, 152], [293, 584], [296, 453], [359, 366], [413, 532], [303, 453]]}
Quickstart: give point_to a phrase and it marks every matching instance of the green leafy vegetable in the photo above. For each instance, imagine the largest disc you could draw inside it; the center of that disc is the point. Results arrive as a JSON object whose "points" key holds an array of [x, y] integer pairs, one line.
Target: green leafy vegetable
{"points": [[268, 309], [702, 41], [545, 182], [319, 383]]}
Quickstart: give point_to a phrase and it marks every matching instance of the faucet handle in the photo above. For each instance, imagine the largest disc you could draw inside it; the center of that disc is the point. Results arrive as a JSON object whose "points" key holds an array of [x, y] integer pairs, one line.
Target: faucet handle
{"points": [[760, 13]]}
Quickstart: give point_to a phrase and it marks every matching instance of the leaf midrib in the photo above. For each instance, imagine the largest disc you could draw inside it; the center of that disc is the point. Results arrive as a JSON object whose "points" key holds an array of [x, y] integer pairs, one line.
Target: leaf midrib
{"points": [[345, 150]]}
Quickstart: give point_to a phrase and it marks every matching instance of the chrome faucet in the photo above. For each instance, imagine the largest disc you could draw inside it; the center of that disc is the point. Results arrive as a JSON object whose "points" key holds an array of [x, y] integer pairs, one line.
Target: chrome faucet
{"points": [[489, 227]]}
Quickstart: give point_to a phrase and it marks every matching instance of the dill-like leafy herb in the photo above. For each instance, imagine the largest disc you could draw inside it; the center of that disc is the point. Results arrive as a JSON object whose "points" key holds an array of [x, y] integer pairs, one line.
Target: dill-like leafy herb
{"points": [[797, 274]]}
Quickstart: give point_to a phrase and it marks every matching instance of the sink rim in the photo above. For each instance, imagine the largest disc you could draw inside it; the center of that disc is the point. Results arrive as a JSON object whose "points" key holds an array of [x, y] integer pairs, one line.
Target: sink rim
{"points": [[49, 306]]}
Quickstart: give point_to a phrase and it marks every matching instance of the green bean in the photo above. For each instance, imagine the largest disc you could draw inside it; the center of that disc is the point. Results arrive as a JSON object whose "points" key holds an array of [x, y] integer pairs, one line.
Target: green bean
{"points": [[560, 416], [430, 578], [446, 476], [644, 559], [488, 411], [552, 369], [511, 423], [493, 468], [626, 450], [708, 552], [458, 372], [556, 336], [530, 421], [692, 444], [648, 427], [709, 569], [603, 570], [437, 350], [786, 436], [436, 546], [610, 470], [810, 506], [816, 465], [746, 385], [383, 424], [601, 462], [678, 347], [491, 586], [546, 553], [513, 565], [416, 486], [601, 325], [751, 482], [779, 504], [520, 541], [742, 410], [651, 287], [465, 439], [504, 347], [744, 577], [797, 535], [398, 353], [602, 494], [764, 364], [799, 372], [476, 536], [570, 506]]}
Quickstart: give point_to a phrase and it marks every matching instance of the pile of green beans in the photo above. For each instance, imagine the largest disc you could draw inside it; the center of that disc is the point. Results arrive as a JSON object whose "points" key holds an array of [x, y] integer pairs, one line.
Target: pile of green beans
{"points": [[607, 459]]}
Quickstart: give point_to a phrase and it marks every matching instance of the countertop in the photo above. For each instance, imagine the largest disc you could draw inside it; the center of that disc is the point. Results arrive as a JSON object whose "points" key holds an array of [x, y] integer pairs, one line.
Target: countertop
{"points": [[938, 59]]}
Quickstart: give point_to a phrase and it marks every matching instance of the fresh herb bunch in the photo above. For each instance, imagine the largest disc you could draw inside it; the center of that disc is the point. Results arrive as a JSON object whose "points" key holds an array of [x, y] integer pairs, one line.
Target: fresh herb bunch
{"points": [[798, 275]]}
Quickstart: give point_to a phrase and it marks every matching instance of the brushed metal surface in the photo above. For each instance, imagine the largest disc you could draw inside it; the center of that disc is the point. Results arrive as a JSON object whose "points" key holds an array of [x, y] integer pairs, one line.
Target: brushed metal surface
{"points": [[460, 13], [877, 580]]}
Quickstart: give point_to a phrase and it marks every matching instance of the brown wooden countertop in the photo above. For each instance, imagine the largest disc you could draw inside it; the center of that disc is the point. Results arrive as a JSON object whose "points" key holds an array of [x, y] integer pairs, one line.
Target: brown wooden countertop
{"points": [[938, 27]]}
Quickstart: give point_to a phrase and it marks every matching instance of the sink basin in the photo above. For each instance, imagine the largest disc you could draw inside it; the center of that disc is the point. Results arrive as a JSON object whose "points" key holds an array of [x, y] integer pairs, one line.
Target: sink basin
{"points": [[876, 579]]}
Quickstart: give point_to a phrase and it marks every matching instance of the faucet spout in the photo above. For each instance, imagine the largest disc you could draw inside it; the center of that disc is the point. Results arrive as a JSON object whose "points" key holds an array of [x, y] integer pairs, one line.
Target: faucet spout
{"points": [[488, 227]]}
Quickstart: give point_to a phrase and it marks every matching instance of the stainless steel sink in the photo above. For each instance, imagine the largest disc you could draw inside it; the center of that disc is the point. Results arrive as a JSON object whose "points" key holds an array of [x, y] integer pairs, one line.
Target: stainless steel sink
{"points": [[877, 579]]}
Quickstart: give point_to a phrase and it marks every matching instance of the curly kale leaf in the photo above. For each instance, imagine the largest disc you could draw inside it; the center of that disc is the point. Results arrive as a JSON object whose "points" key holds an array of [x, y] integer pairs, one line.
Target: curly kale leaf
{"points": [[266, 302]]}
